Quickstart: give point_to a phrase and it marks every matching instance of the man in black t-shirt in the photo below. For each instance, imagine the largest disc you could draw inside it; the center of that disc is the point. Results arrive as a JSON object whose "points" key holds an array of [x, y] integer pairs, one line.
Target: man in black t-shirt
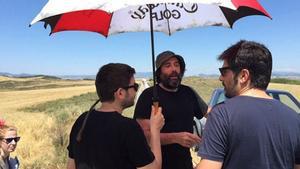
{"points": [[103, 138], [251, 130], [180, 104]]}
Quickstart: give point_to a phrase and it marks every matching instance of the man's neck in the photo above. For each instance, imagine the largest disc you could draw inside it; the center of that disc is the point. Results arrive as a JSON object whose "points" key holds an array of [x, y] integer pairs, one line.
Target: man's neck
{"points": [[254, 92], [167, 89], [110, 107]]}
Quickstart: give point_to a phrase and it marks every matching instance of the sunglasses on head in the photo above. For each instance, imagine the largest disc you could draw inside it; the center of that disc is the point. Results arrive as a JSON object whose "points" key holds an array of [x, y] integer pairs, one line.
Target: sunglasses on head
{"points": [[135, 86], [9, 140]]}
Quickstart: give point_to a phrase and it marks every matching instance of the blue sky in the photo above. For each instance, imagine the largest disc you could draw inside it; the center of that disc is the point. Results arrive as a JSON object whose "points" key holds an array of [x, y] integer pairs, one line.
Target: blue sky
{"points": [[32, 50]]}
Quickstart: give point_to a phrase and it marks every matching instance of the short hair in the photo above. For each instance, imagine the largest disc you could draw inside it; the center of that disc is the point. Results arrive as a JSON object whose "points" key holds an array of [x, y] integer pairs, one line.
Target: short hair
{"points": [[5, 128], [163, 57], [110, 77], [252, 56]]}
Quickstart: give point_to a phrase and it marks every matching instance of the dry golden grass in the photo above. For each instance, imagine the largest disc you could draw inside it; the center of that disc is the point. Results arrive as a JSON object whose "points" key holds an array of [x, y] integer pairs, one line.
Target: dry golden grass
{"points": [[42, 78], [4, 78], [39, 82], [293, 89], [36, 150], [13, 100]]}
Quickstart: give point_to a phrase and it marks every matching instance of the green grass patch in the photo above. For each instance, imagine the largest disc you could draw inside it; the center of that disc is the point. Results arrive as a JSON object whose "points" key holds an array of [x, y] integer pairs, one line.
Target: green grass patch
{"points": [[73, 105], [285, 81], [204, 87], [31, 85], [11, 85]]}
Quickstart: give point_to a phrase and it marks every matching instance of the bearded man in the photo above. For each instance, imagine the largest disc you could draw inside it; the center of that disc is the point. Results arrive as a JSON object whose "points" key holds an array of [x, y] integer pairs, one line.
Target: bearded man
{"points": [[180, 104]]}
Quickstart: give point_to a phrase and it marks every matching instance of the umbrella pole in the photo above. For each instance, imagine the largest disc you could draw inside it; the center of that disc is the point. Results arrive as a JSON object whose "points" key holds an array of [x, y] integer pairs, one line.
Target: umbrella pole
{"points": [[155, 94]]}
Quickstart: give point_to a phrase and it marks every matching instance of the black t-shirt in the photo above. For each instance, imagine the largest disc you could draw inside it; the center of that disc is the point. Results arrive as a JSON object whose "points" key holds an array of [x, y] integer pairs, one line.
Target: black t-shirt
{"points": [[252, 133], [109, 141], [179, 109]]}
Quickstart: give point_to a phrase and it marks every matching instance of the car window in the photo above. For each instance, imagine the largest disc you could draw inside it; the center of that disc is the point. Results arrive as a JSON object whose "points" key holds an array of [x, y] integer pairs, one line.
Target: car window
{"points": [[288, 101], [221, 98], [284, 97]]}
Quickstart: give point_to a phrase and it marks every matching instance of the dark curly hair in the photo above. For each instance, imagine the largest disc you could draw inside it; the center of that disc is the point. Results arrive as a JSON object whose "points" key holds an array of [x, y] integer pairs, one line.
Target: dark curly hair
{"points": [[252, 56], [111, 77]]}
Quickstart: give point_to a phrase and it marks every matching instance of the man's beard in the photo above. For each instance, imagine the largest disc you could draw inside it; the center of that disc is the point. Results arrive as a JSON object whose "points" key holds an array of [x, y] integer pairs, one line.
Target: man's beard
{"points": [[231, 91], [169, 81], [128, 102]]}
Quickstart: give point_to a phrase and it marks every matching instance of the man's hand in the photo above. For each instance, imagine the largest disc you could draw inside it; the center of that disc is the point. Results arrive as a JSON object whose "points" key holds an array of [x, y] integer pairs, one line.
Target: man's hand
{"points": [[187, 139], [157, 119], [71, 163]]}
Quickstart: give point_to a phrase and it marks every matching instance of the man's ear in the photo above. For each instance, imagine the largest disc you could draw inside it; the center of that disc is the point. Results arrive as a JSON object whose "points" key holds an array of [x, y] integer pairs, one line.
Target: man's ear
{"points": [[119, 93], [244, 76]]}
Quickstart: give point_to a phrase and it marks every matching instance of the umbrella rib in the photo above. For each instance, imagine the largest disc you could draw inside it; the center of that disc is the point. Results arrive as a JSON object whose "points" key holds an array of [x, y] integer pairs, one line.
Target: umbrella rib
{"points": [[108, 31], [168, 22]]}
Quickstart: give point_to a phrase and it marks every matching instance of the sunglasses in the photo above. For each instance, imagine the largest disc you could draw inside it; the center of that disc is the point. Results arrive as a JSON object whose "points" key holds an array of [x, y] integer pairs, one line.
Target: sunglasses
{"points": [[135, 86], [223, 70], [9, 140]]}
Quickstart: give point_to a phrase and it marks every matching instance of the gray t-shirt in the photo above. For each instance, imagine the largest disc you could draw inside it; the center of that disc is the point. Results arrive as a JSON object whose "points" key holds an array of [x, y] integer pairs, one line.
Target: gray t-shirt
{"points": [[252, 133]]}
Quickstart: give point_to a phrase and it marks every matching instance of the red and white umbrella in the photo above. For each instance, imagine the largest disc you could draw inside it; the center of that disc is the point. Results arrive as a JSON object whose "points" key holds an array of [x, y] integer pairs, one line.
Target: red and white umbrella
{"points": [[109, 17]]}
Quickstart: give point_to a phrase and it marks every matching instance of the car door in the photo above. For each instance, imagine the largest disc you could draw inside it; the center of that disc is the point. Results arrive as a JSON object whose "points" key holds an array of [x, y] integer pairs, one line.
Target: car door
{"points": [[287, 99]]}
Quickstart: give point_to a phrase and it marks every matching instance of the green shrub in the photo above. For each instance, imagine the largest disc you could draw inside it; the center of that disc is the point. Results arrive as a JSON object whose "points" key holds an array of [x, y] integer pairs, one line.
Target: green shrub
{"points": [[285, 81]]}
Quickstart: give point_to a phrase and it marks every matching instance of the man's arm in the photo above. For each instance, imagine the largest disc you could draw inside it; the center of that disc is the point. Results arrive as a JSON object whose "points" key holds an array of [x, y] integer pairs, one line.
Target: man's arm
{"points": [[185, 139], [204, 164], [157, 121], [208, 111], [200, 105], [297, 166], [71, 164]]}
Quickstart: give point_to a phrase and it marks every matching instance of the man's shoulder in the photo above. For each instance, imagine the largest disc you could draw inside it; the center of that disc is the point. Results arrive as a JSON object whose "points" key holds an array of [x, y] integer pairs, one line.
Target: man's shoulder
{"points": [[127, 120], [13, 162], [148, 90], [128, 124], [219, 106], [185, 88], [231, 102], [250, 100], [243, 102], [81, 117]]}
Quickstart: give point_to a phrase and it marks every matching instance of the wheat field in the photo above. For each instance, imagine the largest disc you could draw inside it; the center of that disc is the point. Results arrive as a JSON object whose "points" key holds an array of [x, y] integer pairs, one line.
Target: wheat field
{"points": [[293, 89], [12, 100], [36, 149]]}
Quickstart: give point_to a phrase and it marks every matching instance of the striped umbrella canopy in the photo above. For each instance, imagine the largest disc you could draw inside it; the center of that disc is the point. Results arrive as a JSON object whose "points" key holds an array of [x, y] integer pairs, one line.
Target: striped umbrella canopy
{"points": [[108, 17]]}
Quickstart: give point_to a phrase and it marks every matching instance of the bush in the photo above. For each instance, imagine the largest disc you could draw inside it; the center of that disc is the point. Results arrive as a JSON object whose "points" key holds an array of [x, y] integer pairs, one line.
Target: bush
{"points": [[285, 81]]}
